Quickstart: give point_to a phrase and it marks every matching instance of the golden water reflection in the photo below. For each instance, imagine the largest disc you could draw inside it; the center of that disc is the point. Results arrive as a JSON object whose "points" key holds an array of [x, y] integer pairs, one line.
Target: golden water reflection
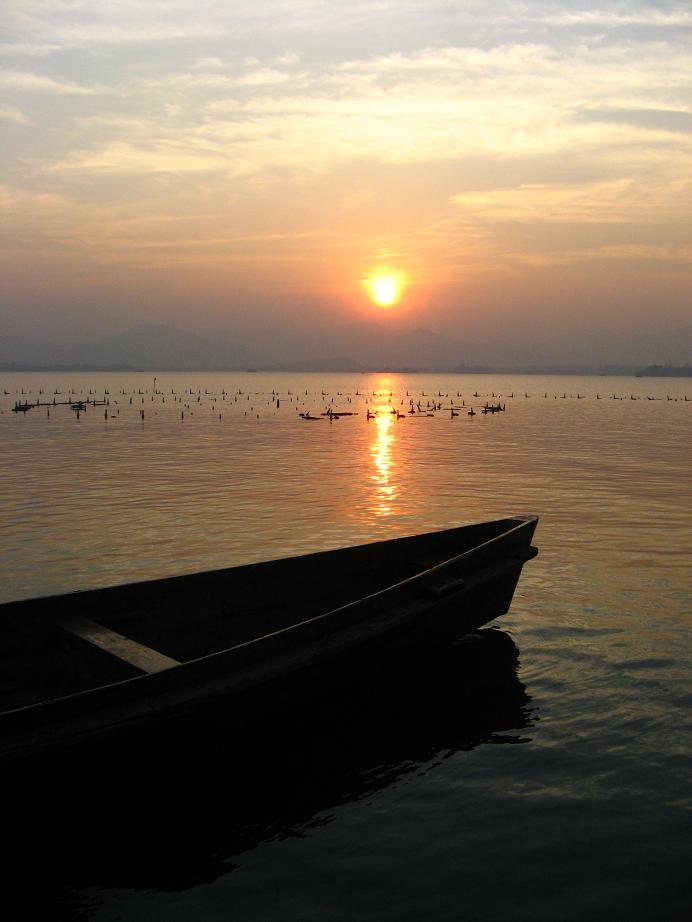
{"points": [[382, 476]]}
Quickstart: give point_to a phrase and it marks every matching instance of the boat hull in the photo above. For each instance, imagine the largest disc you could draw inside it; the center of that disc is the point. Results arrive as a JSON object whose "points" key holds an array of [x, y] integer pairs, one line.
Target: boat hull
{"points": [[277, 668]]}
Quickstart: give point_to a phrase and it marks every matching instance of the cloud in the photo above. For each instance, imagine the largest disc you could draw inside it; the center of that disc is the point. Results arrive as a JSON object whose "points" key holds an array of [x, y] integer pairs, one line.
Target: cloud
{"points": [[27, 49], [449, 132], [665, 120], [599, 202], [37, 83], [289, 59], [12, 114], [540, 224], [433, 105], [41, 24], [209, 63], [624, 15], [616, 201], [17, 198], [264, 76], [637, 252], [123, 158], [110, 34]]}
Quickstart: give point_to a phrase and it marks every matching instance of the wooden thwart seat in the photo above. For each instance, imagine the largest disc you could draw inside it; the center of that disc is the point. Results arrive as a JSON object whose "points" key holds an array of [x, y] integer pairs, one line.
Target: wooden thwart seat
{"points": [[132, 652]]}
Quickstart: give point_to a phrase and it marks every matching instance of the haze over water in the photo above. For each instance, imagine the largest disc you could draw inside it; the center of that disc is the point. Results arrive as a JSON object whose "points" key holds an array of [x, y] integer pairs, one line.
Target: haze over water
{"points": [[587, 814]]}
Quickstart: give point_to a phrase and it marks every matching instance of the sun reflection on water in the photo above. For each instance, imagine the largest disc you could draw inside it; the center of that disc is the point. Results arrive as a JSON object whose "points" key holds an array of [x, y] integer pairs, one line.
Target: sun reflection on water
{"points": [[381, 450]]}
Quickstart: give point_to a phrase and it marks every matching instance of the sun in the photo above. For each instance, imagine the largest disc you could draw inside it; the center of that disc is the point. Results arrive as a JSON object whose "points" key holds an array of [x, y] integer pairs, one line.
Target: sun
{"points": [[384, 289]]}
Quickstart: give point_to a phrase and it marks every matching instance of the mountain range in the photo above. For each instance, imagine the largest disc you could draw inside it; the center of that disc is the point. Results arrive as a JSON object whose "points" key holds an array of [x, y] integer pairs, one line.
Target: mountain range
{"points": [[351, 348]]}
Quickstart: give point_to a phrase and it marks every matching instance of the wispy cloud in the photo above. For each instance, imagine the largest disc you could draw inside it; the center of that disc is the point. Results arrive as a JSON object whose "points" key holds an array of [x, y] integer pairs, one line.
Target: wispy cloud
{"points": [[432, 105], [25, 81], [253, 77], [27, 49], [12, 114], [612, 202], [624, 14], [123, 158], [111, 34], [80, 23], [663, 120]]}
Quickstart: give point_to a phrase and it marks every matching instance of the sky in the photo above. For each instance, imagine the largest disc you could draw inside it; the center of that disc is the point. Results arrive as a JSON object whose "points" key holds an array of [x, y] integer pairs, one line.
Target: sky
{"points": [[519, 169]]}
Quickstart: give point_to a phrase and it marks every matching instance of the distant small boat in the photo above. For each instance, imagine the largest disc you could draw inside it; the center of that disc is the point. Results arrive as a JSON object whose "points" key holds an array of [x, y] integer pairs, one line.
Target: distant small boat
{"points": [[86, 664]]}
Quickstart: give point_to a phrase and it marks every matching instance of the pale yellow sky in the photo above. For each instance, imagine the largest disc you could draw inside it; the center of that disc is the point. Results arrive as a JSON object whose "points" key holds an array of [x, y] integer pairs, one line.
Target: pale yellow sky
{"points": [[519, 165]]}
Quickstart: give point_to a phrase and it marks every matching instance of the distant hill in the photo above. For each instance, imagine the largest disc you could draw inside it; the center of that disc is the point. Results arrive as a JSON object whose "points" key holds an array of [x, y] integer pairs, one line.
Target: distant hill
{"points": [[473, 370], [370, 347], [153, 347], [666, 371], [351, 348], [667, 347], [29, 366], [158, 347]]}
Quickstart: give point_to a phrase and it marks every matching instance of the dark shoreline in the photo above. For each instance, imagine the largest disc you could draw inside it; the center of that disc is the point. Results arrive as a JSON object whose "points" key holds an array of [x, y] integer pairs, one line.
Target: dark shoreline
{"points": [[30, 366], [656, 371]]}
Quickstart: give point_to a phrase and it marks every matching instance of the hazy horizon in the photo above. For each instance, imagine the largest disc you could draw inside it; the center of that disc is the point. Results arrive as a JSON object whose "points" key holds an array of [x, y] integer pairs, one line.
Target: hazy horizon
{"points": [[356, 347], [519, 174]]}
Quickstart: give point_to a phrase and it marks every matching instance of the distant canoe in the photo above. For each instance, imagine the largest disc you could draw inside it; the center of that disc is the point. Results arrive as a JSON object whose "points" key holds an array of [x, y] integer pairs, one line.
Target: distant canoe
{"points": [[84, 664]]}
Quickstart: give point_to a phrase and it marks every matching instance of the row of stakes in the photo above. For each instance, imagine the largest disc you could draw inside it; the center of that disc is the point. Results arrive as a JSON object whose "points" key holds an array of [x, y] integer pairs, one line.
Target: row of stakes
{"points": [[79, 404]]}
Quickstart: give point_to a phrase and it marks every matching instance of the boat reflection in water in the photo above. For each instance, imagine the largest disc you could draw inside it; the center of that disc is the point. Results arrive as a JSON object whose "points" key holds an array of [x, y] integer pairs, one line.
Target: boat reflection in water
{"points": [[175, 808]]}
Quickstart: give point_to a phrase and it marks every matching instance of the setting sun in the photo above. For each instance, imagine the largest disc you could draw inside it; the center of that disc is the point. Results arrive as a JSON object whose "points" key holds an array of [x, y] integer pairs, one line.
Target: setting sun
{"points": [[384, 290]]}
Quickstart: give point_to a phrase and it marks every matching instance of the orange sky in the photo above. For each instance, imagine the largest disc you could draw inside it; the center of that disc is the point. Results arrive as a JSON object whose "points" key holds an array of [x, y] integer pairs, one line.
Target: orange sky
{"points": [[217, 167]]}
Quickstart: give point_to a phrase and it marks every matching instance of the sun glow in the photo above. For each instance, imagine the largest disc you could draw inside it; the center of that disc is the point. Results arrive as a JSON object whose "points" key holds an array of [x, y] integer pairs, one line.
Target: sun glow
{"points": [[384, 289]]}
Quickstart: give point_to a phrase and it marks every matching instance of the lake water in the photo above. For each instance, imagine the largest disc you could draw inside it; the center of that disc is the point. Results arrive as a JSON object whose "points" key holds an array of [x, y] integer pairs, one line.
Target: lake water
{"points": [[563, 792]]}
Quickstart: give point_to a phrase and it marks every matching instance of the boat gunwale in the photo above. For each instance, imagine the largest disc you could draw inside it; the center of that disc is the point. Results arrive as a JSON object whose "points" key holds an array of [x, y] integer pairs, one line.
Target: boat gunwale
{"points": [[84, 593], [521, 521]]}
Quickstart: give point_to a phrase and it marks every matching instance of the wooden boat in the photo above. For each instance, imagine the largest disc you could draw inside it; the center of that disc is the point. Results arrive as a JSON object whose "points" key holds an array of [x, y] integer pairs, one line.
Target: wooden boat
{"points": [[84, 664]]}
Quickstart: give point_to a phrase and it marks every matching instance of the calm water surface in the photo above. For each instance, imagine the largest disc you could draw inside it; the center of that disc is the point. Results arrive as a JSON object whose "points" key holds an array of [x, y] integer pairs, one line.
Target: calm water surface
{"points": [[561, 794]]}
